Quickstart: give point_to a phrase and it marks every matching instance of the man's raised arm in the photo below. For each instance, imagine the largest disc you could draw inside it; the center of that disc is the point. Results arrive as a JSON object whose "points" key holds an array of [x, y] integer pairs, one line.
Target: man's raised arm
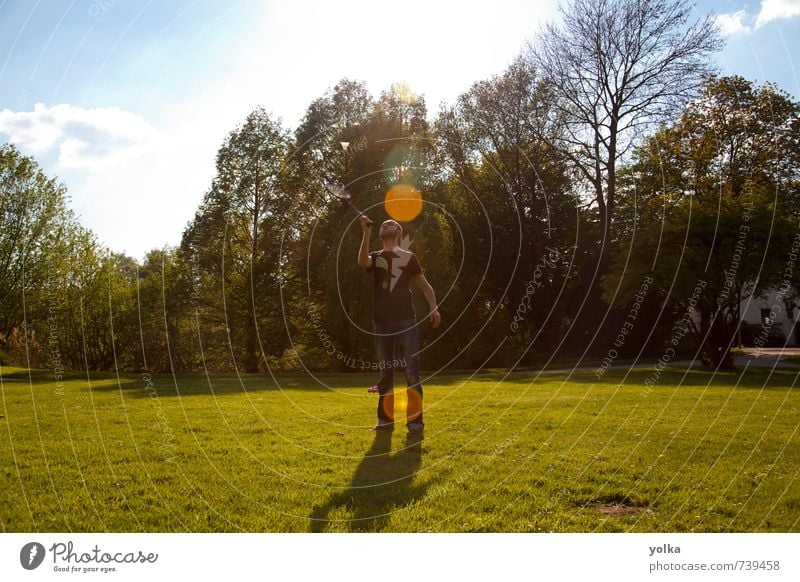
{"points": [[363, 251]]}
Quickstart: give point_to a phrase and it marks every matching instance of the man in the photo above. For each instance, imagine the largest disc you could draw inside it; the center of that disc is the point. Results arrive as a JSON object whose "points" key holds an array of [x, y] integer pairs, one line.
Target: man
{"points": [[393, 269]]}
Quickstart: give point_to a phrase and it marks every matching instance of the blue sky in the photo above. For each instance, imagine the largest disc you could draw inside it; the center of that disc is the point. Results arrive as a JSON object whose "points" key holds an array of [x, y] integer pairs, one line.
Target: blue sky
{"points": [[127, 101]]}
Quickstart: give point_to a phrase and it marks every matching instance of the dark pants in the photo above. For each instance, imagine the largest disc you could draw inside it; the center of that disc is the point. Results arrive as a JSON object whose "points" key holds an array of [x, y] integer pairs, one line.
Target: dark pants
{"points": [[397, 344]]}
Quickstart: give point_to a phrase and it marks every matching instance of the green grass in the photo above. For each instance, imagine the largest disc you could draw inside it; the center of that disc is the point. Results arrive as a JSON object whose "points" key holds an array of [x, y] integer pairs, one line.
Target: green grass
{"points": [[697, 452]]}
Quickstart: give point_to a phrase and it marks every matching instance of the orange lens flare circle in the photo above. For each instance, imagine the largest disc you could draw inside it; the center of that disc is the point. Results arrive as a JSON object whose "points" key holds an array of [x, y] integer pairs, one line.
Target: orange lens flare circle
{"points": [[400, 403], [403, 202]]}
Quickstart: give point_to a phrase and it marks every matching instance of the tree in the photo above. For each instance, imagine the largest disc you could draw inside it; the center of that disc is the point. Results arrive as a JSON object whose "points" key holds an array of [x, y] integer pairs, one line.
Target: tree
{"points": [[33, 218], [510, 194], [234, 241], [716, 204], [618, 67], [166, 324], [36, 231], [318, 308]]}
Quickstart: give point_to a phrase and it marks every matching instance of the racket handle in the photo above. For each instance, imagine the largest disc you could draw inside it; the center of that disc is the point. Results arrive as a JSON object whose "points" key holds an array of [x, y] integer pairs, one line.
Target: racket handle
{"points": [[351, 205]]}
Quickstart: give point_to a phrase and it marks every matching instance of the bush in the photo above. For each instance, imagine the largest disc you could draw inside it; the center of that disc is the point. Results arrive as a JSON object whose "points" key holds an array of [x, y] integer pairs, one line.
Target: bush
{"points": [[754, 332]]}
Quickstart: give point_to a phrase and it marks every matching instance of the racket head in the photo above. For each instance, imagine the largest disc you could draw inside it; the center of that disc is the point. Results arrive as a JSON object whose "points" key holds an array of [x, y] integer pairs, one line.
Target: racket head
{"points": [[344, 197], [340, 193]]}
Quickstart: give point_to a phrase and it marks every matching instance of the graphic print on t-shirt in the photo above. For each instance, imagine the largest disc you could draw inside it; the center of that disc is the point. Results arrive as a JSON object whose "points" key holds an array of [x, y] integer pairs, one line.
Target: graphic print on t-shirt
{"points": [[381, 263], [395, 266], [398, 266]]}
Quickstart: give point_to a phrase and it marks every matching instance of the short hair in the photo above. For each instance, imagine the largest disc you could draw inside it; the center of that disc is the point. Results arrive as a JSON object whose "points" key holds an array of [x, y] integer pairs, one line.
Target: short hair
{"points": [[394, 223]]}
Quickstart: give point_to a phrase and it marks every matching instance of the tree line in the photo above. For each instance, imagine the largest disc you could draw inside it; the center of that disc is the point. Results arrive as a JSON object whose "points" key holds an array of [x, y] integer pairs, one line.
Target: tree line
{"points": [[582, 201]]}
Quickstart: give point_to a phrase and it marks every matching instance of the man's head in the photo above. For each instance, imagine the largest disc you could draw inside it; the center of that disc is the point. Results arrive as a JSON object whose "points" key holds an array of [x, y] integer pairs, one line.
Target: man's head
{"points": [[391, 230]]}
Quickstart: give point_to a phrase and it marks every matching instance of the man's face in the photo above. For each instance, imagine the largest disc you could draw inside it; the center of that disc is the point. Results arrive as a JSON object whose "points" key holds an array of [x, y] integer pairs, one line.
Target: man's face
{"points": [[389, 230]]}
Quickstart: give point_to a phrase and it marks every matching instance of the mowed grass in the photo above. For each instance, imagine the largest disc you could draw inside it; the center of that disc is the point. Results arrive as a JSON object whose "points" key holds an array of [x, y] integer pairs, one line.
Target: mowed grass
{"points": [[523, 453]]}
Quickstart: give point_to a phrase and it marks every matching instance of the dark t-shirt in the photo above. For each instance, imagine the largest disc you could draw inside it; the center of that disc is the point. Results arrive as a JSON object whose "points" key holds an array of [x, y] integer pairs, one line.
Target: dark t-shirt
{"points": [[391, 279]]}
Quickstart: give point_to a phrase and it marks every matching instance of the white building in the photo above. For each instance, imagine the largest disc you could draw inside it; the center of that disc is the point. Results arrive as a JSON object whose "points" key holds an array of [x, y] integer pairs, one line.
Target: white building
{"points": [[772, 317]]}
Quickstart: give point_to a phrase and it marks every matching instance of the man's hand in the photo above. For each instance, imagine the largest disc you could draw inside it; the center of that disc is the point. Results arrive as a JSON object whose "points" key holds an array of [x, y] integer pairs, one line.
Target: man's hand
{"points": [[366, 223], [436, 319]]}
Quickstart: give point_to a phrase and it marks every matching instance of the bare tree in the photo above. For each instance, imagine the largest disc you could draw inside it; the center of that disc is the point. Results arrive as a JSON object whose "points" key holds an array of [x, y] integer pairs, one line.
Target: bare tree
{"points": [[617, 66]]}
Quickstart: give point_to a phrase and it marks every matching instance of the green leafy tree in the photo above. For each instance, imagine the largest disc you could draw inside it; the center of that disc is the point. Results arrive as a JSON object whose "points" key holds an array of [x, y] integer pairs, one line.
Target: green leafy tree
{"points": [[234, 240], [712, 201], [510, 194], [166, 312], [33, 220]]}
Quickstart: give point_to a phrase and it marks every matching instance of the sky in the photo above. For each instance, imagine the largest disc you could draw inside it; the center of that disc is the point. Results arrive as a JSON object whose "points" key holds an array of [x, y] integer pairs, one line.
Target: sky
{"points": [[126, 102]]}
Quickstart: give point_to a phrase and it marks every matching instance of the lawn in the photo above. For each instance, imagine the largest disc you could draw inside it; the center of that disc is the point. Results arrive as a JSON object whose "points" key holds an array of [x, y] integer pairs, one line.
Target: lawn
{"points": [[521, 453]]}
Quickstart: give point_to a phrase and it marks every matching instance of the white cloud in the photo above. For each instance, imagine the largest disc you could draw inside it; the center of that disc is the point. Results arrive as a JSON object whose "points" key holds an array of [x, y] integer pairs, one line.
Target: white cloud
{"points": [[133, 184], [733, 23], [144, 201], [27, 130], [87, 139], [777, 10]]}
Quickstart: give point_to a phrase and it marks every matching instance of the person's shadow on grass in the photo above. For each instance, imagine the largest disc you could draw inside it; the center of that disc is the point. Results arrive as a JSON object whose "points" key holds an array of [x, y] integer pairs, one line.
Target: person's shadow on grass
{"points": [[381, 485]]}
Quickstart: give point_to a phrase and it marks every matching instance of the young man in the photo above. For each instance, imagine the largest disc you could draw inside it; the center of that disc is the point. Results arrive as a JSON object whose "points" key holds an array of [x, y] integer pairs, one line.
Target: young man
{"points": [[393, 270]]}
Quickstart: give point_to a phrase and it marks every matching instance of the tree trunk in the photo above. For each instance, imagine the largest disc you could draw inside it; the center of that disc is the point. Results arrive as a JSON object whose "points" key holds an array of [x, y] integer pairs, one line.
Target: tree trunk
{"points": [[251, 351], [716, 351]]}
